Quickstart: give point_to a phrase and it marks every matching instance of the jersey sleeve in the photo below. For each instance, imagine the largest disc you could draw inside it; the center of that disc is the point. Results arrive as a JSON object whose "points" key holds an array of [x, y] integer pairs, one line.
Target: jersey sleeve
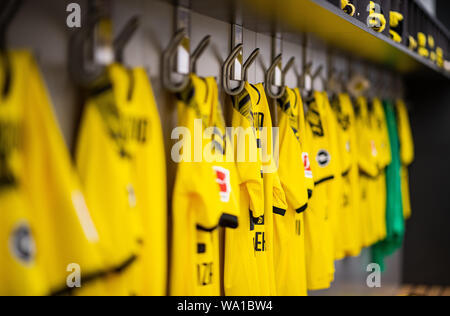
{"points": [[71, 235], [248, 165], [405, 134], [291, 170]]}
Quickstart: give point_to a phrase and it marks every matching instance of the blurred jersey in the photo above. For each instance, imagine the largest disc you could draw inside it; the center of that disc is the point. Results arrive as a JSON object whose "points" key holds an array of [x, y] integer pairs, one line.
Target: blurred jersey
{"points": [[206, 192], [320, 253], [47, 226], [120, 159], [289, 240], [350, 212], [406, 152]]}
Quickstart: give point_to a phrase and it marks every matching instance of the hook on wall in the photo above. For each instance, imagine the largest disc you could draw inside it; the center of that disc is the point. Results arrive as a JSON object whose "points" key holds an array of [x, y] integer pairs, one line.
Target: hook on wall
{"points": [[90, 48], [125, 36], [198, 52], [270, 74], [169, 55], [8, 11], [227, 68]]}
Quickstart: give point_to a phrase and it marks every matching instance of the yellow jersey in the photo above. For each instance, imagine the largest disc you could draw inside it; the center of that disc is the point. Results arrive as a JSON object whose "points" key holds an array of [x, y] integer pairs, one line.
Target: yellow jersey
{"points": [[302, 130], [289, 243], [121, 162], [383, 158], [205, 193], [349, 203], [241, 274], [52, 229], [369, 172], [318, 226], [406, 153]]}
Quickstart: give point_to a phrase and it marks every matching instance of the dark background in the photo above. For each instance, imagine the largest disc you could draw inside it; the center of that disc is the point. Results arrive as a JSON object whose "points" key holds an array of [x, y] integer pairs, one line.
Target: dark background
{"points": [[427, 243]]}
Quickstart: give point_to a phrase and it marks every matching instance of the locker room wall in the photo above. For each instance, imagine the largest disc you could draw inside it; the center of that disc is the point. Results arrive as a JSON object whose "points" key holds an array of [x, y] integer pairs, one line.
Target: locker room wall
{"points": [[42, 28], [427, 237]]}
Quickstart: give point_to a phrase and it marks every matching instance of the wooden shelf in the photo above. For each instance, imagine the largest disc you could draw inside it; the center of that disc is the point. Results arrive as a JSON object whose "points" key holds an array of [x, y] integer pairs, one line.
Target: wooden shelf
{"points": [[327, 22]]}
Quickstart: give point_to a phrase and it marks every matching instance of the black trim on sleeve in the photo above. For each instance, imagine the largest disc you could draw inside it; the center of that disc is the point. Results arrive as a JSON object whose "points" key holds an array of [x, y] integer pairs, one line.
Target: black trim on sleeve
{"points": [[302, 209], [324, 180], [279, 211], [206, 230], [310, 194], [229, 221], [346, 173]]}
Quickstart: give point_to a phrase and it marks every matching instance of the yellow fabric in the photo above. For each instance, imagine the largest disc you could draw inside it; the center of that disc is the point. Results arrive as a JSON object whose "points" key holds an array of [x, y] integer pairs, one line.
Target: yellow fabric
{"points": [[367, 153], [21, 269], [47, 224], [203, 192], [319, 243], [241, 274], [383, 159], [121, 163], [304, 144], [406, 153], [350, 212], [261, 197], [288, 229], [274, 196]]}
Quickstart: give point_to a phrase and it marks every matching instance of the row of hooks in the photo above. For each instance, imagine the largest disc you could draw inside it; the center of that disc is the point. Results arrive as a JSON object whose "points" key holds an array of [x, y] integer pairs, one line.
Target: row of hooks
{"points": [[85, 71]]}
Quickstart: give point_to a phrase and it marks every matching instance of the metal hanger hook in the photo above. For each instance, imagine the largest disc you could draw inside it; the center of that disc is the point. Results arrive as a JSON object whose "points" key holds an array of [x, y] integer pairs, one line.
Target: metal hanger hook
{"points": [[227, 66], [204, 43], [167, 57], [269, 79]]}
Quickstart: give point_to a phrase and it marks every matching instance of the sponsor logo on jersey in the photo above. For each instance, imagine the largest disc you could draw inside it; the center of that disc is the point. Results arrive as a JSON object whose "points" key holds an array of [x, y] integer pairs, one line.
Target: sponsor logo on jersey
{"points": [[223, 179], [21, 244], [323, 158], [307, 166]]}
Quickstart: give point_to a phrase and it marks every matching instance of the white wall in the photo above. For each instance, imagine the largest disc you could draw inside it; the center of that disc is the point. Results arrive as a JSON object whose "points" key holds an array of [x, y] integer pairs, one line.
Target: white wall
{"points": [[40, 26]]}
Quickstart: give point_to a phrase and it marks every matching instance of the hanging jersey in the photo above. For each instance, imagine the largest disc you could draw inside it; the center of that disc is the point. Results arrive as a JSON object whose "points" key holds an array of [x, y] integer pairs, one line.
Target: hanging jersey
{"points": [[289, 240], [302, 130], [383, 159], [318, 229], [227, 175], [274, 197], [106, 155], [350, 229], [395, 226], [367, 162], [20, 271], [51, 230], [241, 245], [140, 129], [406, 152], [200, 197]]}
